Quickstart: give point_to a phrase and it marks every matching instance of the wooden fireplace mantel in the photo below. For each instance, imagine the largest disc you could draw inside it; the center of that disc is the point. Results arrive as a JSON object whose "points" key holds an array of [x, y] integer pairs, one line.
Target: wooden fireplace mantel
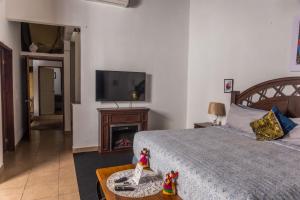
{"points": [[121, 116]]}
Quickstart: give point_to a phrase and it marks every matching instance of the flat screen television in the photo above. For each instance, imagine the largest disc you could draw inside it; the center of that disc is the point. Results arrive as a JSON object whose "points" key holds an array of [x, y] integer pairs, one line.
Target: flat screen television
{"points": [[120, 86]]}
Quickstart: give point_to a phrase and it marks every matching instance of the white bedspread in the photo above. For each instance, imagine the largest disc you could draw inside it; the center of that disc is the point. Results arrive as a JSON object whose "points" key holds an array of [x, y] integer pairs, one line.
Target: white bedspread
{"points": [[221, 163]]}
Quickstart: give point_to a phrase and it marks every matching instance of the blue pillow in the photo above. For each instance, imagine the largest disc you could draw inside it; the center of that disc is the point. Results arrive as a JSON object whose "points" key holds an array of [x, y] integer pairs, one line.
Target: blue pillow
{"points": [[286, 124]]}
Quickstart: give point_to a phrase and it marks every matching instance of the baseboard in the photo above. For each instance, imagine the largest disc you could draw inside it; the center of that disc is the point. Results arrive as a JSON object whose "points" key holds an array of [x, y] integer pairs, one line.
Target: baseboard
{"points": [[85, 149], [68, 132], [17, 145]]}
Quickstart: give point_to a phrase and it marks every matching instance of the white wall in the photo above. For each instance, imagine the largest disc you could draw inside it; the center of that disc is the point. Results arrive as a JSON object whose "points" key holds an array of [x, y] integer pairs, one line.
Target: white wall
{"points": [[145, 39], [77, 67], [35, 65], [152, 37], [10, 35], [67, 88], [248, 40], [57, 82]]}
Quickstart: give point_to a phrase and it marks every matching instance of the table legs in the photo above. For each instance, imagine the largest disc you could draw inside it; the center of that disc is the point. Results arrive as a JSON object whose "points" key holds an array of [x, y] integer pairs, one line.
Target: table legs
{"points": [[100, 193]]}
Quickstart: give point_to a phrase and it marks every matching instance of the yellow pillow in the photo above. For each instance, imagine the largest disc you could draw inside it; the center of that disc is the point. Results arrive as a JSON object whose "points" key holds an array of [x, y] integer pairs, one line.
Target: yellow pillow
{"points": [[267, 128]]}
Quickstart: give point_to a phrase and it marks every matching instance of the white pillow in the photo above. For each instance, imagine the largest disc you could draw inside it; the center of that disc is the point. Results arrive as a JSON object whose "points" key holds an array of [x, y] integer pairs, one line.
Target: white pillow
{"points": [[240, 117], [295, 133]]}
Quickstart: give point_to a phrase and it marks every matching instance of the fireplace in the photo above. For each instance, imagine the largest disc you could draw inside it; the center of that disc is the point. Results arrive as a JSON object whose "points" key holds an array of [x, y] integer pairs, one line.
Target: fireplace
{"points": [[122, 135], [118, 126]]}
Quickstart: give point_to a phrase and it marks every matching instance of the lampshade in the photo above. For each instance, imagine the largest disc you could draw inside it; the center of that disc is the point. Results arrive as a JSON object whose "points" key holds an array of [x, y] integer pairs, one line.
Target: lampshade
{"points": [[217, 109]]}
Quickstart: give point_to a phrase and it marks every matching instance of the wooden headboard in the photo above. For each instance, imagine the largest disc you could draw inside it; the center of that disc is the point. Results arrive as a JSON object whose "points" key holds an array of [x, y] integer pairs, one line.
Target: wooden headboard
{"points": [[282, 92]]}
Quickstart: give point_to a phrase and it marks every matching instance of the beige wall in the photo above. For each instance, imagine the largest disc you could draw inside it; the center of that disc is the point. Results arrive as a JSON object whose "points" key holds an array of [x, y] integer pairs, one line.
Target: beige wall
{"points": [[67, 93], [10, 35], [56, 12], [77, 68], [249, 41]]}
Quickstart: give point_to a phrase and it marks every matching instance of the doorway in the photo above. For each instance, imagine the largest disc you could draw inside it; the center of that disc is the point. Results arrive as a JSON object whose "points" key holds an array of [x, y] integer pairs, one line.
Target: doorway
{"points": [[45, 93], [6, 71], [50, 90]]}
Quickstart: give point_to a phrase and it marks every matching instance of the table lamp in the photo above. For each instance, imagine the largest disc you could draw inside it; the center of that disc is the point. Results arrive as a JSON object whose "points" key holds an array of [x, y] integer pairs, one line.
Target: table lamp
{"points": [[217, 109]]}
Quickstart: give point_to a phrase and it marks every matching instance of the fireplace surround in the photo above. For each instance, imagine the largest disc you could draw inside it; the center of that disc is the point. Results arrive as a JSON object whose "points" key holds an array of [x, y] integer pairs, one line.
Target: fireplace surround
{"points": [[118, 126]]}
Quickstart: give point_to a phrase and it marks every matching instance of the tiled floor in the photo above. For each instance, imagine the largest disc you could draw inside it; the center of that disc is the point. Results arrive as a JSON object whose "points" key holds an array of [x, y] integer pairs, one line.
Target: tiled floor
{"points": [[42, 169], [47, 121]]}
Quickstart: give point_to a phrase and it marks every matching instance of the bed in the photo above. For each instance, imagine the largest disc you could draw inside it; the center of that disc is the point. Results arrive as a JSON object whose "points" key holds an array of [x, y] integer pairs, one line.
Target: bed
{"points": [[226, 163]]}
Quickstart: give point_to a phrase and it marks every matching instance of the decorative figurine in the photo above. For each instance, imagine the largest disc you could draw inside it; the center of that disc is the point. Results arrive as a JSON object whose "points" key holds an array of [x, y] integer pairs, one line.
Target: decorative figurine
{"points": [[144, 158], [134, 95], [169, 186]]}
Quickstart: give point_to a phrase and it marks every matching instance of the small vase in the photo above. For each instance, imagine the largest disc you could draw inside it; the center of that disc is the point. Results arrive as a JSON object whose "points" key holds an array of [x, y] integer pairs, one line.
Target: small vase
{"points": [[33, 47]]}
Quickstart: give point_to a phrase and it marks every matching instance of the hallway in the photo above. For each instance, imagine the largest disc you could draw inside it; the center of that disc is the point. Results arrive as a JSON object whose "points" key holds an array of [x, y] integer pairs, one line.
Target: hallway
{"points": [[42, 169]]}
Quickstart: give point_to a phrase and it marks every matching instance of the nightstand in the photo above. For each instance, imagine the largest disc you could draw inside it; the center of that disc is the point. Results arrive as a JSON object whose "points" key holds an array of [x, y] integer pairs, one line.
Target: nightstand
{"points": [[203, 125]]}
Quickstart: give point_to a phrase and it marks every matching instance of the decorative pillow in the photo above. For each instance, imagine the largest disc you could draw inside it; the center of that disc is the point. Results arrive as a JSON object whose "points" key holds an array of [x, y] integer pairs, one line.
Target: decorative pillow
{"points": [[286, 124], [239, 118], [267, 128]]}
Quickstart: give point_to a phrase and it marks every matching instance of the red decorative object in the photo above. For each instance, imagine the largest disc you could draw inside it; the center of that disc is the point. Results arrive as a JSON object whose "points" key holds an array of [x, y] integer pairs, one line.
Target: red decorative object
{"points": [[123, 143], [228, 85], [144, 158], [169, 186]]}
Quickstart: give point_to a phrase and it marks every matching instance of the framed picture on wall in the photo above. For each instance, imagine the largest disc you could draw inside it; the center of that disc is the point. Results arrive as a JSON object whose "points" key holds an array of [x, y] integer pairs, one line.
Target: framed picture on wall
{"points": [[295, 63], [228, 85]]}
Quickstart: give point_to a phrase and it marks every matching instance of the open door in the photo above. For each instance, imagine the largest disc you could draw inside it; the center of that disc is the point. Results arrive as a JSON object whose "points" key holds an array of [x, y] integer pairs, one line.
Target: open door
{"points": [[26, 97], [7, 98], [46, 91]]}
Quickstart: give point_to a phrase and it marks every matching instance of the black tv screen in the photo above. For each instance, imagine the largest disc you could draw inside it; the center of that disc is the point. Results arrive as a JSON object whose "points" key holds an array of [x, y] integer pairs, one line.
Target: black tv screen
{"points": [[120, 86]]}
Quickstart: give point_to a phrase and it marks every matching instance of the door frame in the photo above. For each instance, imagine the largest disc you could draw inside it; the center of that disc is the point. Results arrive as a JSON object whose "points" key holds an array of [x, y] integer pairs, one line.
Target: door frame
{"points": [[61, 84], [28, 59], [7, 136]]}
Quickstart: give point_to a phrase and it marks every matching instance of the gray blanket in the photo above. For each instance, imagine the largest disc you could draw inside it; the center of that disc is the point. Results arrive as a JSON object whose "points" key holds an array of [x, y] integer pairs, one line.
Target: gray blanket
{"points": [[221, 163]]}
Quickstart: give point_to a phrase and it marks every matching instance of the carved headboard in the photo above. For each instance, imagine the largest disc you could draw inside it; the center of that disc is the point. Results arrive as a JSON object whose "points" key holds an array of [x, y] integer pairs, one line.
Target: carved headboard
{"points": [[282, 92]]}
